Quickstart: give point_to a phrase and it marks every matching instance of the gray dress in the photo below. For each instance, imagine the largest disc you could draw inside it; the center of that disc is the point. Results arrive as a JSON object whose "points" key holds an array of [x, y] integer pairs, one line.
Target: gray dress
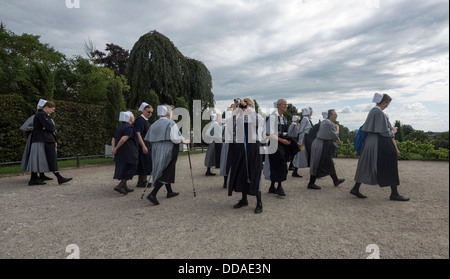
{"points": [[301, 159], [325, 139], [212, 136], [377, 145], [165, 137]]}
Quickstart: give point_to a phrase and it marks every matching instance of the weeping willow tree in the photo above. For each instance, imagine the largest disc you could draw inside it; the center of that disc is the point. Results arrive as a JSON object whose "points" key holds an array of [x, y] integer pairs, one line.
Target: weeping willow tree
{"points": [[155, 64]]}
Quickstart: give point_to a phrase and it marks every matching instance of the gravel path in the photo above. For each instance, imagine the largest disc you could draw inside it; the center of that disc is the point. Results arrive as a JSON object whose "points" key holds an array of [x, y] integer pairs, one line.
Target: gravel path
{"points": [[41, 221]]}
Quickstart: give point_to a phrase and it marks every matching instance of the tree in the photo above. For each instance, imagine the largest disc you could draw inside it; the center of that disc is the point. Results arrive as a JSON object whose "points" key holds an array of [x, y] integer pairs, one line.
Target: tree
{"points": [[156, 64], [418, 135], [399, 135], [290, 112], [116, 59], [116, 104], [27, 66], [441, 140]]}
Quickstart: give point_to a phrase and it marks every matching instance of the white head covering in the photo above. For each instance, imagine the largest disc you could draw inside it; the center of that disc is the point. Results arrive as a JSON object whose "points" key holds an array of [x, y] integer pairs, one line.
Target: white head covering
{"points": [[125, 116], [295, 118], [325, 115], [143, 105], [377, 97], [214, 117], [306, 111], [162, 110], [41, 103]]}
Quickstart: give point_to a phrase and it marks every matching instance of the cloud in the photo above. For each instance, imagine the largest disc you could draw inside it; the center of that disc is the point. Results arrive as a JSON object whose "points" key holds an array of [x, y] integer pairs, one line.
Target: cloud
{"points": [[319, 53], [416, 106]]}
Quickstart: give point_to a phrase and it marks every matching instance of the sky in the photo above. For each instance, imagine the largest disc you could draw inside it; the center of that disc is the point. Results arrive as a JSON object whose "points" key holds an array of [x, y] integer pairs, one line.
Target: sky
{"points": [[324, 54]]}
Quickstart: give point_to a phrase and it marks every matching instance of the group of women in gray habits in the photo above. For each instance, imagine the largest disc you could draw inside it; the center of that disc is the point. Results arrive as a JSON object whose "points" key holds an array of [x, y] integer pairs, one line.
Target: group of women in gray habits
{"points": [[159, 147], [377, 164], [154, 150]]}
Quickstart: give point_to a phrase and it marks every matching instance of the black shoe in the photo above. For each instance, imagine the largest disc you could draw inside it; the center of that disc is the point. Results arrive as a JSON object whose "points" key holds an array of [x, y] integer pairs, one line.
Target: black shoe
{"points": [[128, 189], [272, 190], [44, 177], [280, 191], [313, 186], [398, 198], [338, 182], [173, 194], [258, 208], [36, 182], [241, 203], [120, 190], [62, 180], [141, 184], [209, 174], [153, 199], [358, 194], [295, 174]]}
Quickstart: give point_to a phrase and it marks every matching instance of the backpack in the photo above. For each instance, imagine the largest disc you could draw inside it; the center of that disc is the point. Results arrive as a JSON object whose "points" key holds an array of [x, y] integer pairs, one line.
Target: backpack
{"points": [[359, 140], [313, 131]]}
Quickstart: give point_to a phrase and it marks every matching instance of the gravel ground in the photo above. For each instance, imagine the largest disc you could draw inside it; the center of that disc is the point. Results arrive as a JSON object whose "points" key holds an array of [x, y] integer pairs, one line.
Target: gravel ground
{"points": [[41, 221]]}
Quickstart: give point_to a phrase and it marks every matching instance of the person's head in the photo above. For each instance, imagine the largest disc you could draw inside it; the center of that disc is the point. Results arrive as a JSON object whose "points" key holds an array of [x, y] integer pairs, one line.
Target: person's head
{"points": [[165, 111], [49, 107], [126, 116], [147, 111], [385, 101], [249, 102], [332, 115], [282, 105]]}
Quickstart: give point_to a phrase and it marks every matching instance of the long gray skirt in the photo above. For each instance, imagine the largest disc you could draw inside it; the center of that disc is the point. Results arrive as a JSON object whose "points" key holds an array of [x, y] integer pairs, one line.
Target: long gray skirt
{"points": [[37, 161], [210, 157]]}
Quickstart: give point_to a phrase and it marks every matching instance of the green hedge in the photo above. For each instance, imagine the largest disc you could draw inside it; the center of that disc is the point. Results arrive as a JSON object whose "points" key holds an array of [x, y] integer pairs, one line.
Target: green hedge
{"points": [[409, 150], [80, 128], [13, 113]]}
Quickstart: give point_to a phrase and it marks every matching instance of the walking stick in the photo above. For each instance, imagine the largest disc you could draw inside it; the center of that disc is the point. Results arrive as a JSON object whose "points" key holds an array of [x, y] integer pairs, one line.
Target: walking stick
{"points": [[245, 150], [190, 166], [146, 185]]}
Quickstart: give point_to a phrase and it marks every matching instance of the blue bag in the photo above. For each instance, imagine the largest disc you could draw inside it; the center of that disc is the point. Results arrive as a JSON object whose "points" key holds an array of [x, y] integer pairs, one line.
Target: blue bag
{"points": [[359, 140]]}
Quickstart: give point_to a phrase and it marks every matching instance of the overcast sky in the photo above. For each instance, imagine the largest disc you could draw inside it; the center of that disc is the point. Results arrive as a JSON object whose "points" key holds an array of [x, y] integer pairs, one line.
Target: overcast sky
{"points": [[318, 53]]}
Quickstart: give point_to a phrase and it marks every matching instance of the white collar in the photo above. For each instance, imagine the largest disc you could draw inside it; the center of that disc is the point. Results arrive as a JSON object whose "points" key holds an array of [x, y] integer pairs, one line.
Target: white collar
{"points": [[142, 115]]}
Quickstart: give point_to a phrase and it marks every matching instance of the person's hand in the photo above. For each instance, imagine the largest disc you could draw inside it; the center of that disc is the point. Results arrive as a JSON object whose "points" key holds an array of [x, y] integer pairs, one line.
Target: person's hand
{"points": [[186, 141], [145, 150], [394, 130], [285, 142], [114, 151]]}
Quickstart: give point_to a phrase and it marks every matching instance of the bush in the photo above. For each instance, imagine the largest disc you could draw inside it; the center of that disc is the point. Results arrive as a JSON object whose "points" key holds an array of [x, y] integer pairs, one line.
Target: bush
{"points": [[409, 150], [13, 113]]}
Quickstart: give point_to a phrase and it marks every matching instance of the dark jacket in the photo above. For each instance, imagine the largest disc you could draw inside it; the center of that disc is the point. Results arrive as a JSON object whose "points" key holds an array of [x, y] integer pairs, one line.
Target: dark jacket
{"points": [[43, 120]]}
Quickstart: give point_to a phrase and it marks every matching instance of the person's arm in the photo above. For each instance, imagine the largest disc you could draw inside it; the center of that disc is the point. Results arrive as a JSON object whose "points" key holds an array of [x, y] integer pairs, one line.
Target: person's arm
{"points": [[141, 143], [336, 126], [271, 128], [394, 131], [122, 140]]}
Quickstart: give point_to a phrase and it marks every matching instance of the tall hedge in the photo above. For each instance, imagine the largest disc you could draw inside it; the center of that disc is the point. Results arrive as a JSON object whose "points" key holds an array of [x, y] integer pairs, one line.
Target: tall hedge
{"points": [[13, 113], [81, 128]]}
